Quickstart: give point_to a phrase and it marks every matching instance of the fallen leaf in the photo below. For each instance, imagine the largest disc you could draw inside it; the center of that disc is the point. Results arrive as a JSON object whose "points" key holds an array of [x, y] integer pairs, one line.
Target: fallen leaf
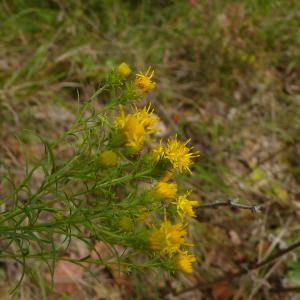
{"points": [[263, 246], [223, 290], [175, 117]]}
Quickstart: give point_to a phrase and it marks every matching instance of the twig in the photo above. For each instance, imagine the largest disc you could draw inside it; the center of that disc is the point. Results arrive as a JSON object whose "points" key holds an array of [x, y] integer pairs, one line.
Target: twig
{"points": [[252, 266], [275, 256], [292, 289], [230, 203]]}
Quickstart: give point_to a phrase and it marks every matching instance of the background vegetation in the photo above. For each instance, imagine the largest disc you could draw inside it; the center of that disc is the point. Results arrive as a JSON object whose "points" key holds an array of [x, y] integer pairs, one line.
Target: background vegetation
{"points": [[228, 77]]}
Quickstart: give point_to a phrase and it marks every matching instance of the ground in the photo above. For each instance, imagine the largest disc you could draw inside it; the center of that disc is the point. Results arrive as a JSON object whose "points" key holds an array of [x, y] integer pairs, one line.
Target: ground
{"points": [[228, 78]]}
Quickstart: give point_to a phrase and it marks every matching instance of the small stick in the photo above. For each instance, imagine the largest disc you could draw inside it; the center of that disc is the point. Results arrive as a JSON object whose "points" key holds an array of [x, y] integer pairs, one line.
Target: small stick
{"points": [[292, 289], [230, 203]]}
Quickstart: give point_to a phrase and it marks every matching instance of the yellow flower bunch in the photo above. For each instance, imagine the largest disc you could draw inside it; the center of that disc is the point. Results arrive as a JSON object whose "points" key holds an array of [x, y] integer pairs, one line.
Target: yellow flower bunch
{"points": [[120, 194], [147, 118], [168, 238], [136, 127]]}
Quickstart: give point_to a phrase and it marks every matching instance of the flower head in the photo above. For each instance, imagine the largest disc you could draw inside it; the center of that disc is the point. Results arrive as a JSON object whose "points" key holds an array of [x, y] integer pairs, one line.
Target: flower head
{"points": [[143, 82], [165, 190], [123, 69], [134, 132], [135, 126], [178, 154], [108, 158], [185, 206], [183, 262], [147, 119], [168, 238]]}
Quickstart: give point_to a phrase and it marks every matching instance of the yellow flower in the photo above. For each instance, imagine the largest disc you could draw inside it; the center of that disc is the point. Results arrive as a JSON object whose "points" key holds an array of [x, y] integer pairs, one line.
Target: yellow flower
{"points": [[185, 206], [146, 118], [164, 190], [123, 69], [183, 262], [179, 155], [143, 82], [108, 158], [134, 132], [135, 126], [168, 238]]}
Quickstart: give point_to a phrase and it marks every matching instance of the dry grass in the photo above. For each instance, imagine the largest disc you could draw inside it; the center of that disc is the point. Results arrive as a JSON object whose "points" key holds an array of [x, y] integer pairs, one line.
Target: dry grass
{"points": [[228, 77]]}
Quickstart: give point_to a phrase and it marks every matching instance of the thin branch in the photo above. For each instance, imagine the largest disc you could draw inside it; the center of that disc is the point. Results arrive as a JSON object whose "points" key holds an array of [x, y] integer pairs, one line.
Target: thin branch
{"points": [[276, 256], [230, 203], [251, 267], [292, 289]]}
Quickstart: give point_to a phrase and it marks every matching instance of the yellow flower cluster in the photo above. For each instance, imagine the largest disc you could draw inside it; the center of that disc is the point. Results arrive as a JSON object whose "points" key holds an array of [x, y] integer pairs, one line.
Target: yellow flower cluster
{"points": [[168, 238], [132, 130], [147, 119], [166, 190], [136, 127]]}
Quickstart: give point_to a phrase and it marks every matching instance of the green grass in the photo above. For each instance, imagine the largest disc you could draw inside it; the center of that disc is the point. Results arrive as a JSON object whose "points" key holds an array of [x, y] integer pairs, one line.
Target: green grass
{"points": [[227, 74]]}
